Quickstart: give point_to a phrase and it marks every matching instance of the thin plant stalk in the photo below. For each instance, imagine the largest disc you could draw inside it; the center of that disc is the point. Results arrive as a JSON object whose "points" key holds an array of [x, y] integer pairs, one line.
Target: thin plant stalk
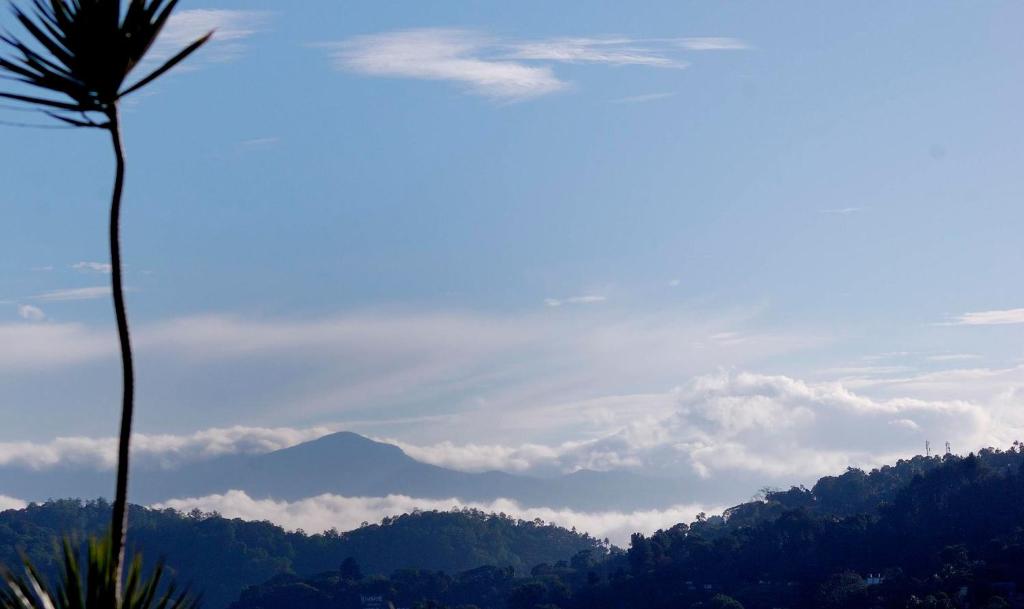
{"points": [[119, 519], [82, 52]]}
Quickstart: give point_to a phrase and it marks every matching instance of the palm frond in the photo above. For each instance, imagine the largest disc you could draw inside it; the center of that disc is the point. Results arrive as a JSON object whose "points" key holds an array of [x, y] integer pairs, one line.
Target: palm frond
{"points": [[83, 52], [93, 588]]}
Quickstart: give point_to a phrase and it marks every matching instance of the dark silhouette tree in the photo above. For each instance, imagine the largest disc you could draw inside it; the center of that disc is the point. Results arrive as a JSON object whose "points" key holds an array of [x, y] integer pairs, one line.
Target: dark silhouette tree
{"points": [[80, 54], [722, 601]]}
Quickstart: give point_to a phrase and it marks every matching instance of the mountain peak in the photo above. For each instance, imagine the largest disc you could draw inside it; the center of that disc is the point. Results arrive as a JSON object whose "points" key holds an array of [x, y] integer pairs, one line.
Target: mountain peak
{"points": [[343, 447]]}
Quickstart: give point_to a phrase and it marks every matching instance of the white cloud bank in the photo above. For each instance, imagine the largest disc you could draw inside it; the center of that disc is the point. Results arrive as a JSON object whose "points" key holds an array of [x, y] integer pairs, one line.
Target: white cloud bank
{"points": [[324, 512], [503, 69], [164, 450], [10, 503], [775, 427], [771, 428]]}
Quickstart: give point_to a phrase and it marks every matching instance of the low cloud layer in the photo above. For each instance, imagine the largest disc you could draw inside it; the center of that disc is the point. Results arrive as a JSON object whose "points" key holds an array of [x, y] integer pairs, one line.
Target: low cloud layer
{"points": [[548, 391], [160, 450], [505, 69], [318, 514], [10, 503], [774, 429]]}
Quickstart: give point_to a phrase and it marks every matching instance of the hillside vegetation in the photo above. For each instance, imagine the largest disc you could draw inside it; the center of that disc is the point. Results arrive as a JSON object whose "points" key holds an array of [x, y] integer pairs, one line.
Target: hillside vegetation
{"points": [[929, 533], [221, 556]]}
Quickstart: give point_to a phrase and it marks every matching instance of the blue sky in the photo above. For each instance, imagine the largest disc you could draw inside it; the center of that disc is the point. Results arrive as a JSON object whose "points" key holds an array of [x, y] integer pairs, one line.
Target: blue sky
{"points": [[630, 236]]}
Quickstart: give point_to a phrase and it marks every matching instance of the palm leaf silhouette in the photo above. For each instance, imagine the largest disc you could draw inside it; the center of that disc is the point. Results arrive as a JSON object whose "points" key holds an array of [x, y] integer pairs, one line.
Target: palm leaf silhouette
{"points": [[77, 56], [85, 51], [93, 588]]}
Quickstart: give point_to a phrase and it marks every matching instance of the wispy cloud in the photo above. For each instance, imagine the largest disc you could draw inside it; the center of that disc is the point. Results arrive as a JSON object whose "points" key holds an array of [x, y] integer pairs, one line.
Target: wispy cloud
{"points": [[585, 299], [231, 28], [843, 211], [25, 347], [445, 54], [640, 99], [713, 43], [31, 313], [93, 267], [258, 143], [952, 357], [989, 318], [614, 51], [324, 512], [90, 293], [888, 355], [350, 367], [502, 69]]}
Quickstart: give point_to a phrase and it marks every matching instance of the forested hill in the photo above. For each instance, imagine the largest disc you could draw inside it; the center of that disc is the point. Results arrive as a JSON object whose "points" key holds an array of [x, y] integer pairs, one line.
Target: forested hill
{"points": [[221, 556], [929, 533], [855, 491]]}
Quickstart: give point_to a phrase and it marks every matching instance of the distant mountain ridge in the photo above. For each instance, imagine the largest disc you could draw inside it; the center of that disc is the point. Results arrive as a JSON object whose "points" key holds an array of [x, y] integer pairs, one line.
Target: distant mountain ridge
{"points": [[352, 465]]}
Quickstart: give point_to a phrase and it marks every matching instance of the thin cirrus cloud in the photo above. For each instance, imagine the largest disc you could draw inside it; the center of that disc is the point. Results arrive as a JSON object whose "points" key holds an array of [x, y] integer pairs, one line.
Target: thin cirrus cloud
{"points": [[713, 43], [230, 28], [998, 317], [585, 299], [71, 294], [610, 51], [503, 69], [92, 267], [352, 366], [641, 99], [953, 357]]}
